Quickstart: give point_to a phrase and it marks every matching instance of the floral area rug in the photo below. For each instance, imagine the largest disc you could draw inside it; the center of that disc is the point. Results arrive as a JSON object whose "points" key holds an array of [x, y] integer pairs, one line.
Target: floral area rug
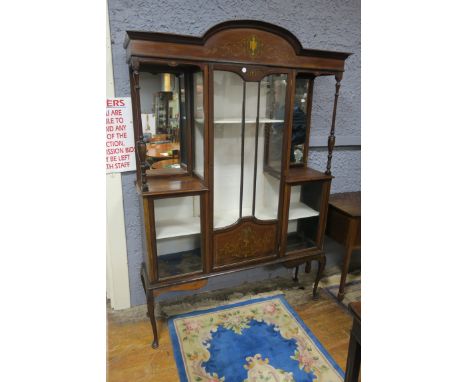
{"points": [[257, 340]]}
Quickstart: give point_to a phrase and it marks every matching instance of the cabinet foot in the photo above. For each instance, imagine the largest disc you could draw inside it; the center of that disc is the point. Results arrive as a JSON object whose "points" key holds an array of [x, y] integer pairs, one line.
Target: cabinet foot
{"points": [[296, 271]]}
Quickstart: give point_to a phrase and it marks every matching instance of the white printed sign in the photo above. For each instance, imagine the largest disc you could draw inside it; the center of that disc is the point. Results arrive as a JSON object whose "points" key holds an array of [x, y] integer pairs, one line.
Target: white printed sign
{"points": [[120, 146]]}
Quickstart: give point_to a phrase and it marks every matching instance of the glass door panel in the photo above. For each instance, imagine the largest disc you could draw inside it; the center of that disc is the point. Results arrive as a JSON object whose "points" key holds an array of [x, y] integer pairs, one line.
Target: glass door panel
{"points": [[199, 124], [227, 160], [251, 103], [248, 145], [275, 104], [270, 145]]}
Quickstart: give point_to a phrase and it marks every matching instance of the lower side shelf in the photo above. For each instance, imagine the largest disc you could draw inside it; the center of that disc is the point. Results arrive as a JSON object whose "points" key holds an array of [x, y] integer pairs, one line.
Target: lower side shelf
{"points": [[180, 263], [185, 262], [296, 242]]}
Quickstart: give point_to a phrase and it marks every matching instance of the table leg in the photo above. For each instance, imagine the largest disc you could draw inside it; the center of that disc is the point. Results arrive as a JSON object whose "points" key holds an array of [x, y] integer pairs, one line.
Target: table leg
{"points": [[321, 266], [353, 226], [353, 363]]}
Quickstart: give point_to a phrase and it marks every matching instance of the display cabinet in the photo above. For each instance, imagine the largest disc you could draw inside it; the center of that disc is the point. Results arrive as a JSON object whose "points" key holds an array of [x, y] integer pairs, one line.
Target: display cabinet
{"points": [[222, 126]]}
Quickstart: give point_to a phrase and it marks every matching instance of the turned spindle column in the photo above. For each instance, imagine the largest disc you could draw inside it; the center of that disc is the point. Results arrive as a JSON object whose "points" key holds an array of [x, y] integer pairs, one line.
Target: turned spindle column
{"points": [[331, 137]]}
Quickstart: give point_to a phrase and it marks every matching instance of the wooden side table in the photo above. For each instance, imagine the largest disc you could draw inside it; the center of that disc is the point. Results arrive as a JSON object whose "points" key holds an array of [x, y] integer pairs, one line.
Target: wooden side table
{"points": [[344, 226], [353, 364]]}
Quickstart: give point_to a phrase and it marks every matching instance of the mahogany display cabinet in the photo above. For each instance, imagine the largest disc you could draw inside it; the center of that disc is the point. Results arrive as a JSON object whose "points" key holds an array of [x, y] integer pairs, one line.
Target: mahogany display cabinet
{"points": [[222, 125]]}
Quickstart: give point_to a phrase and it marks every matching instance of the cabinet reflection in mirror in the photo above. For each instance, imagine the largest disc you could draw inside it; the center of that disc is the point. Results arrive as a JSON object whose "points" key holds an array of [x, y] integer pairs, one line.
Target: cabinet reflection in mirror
{"points": [[301, 118], [178, 235], [248, 141], [165, 116]]}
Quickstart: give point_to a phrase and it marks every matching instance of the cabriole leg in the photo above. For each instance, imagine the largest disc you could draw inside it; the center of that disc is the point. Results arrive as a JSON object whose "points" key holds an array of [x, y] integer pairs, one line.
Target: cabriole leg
{"points": [[150, 304]]}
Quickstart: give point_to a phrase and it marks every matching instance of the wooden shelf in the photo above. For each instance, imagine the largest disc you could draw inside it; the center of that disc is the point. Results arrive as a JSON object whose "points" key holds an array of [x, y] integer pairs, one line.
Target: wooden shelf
{"points": [[174, 185], [305, 174], [300, 210]]}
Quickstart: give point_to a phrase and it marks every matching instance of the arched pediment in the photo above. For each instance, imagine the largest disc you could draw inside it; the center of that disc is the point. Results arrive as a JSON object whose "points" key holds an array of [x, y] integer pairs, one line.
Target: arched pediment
{"points": [[236, 41]]}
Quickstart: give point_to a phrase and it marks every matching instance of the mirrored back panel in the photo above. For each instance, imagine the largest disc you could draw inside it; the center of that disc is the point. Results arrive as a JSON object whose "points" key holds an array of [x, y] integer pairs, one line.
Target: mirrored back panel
{"points": [[299, 122], [163, 118], [172, 118]]}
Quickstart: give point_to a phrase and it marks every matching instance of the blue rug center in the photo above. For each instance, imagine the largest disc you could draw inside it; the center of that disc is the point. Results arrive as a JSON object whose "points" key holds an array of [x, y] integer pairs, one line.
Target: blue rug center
{"points": [[228, 352]]}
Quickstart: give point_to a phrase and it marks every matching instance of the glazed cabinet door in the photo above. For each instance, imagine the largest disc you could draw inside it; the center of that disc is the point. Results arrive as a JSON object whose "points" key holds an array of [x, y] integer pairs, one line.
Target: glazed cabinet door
{"points": [[248, 129]]}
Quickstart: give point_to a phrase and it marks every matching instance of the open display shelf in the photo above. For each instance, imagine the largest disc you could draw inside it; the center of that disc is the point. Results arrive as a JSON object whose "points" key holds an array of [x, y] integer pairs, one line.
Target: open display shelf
{"points": [[191, 225], [247, 121], [298, 210], [177, 227]]}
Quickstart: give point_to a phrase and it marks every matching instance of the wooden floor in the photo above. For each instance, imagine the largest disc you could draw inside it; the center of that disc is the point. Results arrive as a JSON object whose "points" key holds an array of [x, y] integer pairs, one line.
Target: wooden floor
{"points": [[131, 358]]}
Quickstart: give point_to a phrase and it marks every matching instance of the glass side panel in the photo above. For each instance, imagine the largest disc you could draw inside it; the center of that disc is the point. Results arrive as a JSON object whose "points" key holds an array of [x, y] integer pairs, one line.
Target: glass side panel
{"points": [[181, 130], [228, 96], [274, 99], [163, 118], [178, 236], [304, 214], [199, 117], [270, 145], [299, 123]]}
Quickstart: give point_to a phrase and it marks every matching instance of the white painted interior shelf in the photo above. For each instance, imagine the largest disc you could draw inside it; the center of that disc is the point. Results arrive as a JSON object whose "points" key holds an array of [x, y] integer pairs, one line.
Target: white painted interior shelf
{"points": [[228, 121], [191, 225], [298, 210], [177, 227]]}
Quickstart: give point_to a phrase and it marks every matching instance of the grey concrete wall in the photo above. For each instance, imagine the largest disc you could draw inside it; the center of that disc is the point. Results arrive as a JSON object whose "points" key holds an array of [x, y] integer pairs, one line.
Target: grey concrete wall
{"points": [[318, 24]]}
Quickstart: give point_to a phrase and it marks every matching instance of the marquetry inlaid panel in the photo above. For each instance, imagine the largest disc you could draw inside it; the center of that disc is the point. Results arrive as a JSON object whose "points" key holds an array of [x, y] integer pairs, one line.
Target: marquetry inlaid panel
{"points": [[245, 241]]}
